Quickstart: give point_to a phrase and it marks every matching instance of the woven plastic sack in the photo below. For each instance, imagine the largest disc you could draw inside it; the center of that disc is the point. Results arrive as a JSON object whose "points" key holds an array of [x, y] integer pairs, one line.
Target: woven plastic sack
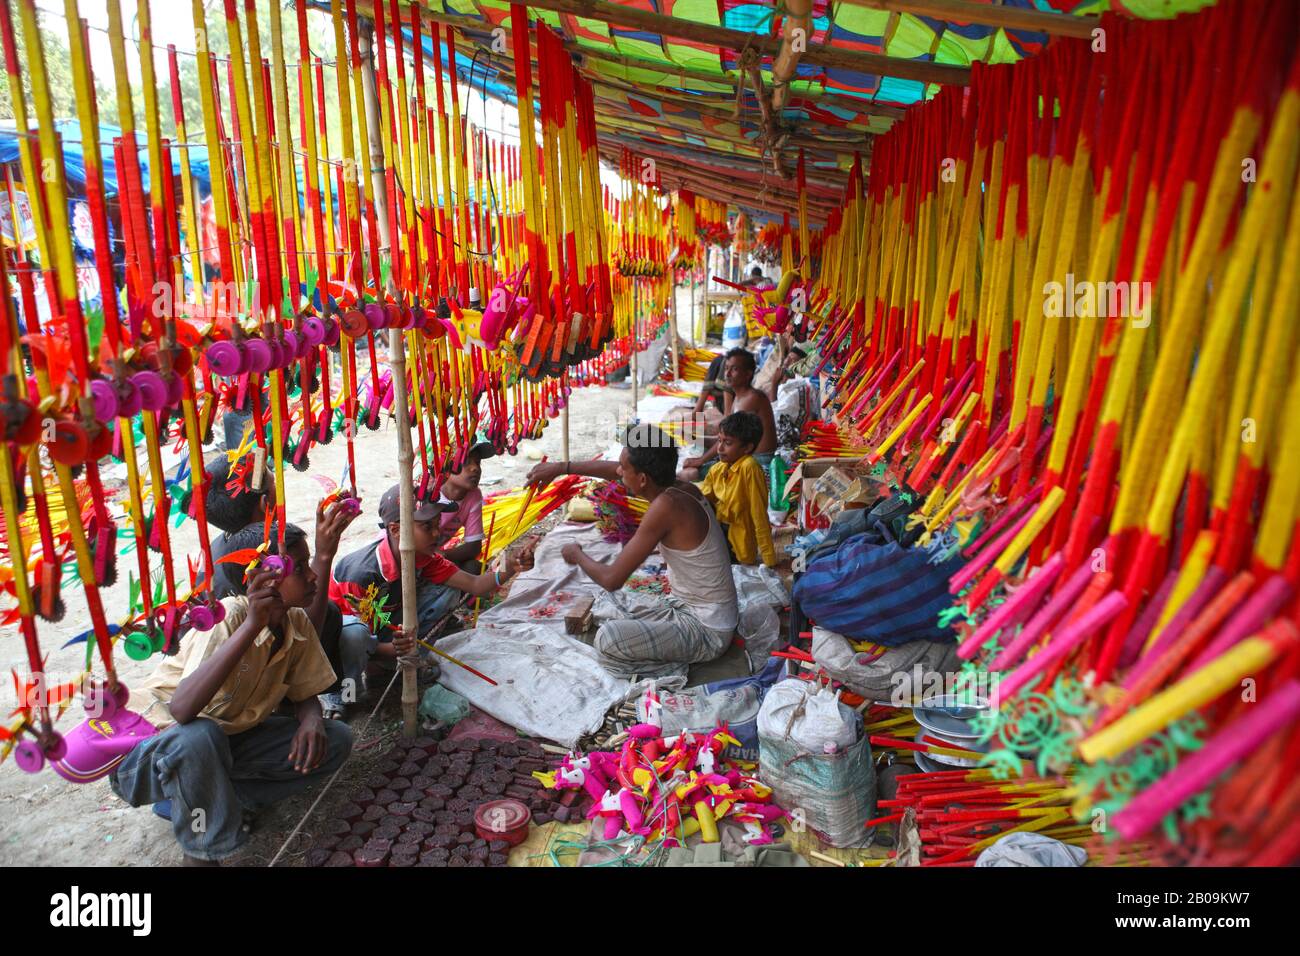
{"points": [[809, 715], [760, 627], [735, 701], [759, 584], [899, 672], [833, 794]]}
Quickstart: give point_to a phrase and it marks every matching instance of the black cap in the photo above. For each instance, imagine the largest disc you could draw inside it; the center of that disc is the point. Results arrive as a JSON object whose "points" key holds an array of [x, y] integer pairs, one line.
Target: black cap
{"points": [[390, 507]]}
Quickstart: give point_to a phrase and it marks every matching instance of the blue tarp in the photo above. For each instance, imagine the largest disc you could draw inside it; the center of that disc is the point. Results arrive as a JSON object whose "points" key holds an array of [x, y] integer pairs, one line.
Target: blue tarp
{"points": [[74, 159]]}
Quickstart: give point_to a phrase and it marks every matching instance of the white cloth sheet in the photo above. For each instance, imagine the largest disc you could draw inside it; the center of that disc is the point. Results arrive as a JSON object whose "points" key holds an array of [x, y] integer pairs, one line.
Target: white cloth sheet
{"points": [[549, 684]]}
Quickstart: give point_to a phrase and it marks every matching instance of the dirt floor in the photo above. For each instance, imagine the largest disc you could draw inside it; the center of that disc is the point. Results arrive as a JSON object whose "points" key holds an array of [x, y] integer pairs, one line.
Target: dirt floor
{"points": [[45, 820]]}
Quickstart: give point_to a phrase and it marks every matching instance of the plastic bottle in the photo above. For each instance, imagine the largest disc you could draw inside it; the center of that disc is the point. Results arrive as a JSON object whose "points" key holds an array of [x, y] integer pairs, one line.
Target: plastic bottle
{"points": [[733, 330]]}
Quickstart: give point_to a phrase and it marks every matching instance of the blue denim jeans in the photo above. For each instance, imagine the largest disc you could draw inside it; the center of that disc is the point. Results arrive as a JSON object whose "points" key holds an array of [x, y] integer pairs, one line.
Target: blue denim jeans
{"points": [[435, 602], [211, 779]]}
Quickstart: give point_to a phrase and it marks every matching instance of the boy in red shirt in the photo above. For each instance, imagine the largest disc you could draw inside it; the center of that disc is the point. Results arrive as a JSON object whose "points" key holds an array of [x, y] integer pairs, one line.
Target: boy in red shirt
{"points": [[379, 565]]}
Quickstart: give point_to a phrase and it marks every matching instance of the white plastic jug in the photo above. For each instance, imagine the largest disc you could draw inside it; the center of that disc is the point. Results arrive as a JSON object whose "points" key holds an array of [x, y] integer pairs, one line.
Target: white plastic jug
{"points": [[733, 330]]}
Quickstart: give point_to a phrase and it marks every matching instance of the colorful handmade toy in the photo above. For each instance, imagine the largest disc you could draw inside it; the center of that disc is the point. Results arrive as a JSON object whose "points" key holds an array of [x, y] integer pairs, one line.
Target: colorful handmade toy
{"points": [[662, 790]]}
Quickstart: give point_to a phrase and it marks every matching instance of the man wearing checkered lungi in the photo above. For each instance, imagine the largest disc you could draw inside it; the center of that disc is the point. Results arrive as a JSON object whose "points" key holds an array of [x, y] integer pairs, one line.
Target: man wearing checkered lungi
{"points": [[697, 622]]}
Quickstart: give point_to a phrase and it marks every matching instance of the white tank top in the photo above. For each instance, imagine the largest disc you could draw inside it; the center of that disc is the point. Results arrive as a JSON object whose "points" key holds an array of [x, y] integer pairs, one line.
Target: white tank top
{"points": [[701, 577]]}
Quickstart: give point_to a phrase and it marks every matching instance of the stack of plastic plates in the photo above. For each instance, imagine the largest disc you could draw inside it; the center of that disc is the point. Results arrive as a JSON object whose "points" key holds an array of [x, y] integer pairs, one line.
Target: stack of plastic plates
{"points": [[948, 721]]}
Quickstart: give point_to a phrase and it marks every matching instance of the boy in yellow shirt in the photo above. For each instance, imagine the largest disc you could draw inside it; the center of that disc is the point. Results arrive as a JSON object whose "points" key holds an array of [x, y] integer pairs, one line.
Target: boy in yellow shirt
{"points": [[737, 489]]}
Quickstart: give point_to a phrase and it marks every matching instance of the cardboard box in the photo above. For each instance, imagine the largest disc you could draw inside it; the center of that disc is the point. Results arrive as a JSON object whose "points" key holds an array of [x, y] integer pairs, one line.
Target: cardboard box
{"points": [[812, 473]]}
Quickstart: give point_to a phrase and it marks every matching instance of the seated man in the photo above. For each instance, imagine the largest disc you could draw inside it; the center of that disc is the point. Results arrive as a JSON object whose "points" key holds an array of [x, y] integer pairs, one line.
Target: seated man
{"points": [[460, 489], [737, 489], [379, 565], [697, 621], [224, 751], [739, 374]]}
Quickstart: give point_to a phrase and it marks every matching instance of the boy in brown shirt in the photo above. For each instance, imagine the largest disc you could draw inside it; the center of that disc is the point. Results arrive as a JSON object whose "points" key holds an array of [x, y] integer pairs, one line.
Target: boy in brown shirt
{"points": [[224, 752]]}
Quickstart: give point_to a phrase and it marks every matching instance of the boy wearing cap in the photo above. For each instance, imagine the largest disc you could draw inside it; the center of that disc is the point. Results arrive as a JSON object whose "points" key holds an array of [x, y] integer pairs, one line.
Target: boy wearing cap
{"points": [[379, 566], [460, 489]]}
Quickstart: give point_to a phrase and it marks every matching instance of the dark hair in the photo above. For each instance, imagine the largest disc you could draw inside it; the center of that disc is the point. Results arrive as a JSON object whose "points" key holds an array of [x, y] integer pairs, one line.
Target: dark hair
{"points": [[756, 271], [251, 537], [745, 355], [226, 510], [449, 467], [652, 452], [745, 427]]}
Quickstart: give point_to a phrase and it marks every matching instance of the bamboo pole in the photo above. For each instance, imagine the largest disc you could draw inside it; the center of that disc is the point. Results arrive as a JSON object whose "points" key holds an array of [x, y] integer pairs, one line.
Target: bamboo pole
{"points": [[564, 436], [401, 402], [796, 31], [635, 309], [677, 364], [370, 93], [695, 334]]}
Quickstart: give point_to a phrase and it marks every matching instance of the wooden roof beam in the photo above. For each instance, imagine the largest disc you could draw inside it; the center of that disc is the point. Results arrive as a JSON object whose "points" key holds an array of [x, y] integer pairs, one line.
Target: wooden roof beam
{"points": [[762, 200], [741, 190], [988, 14], [860, 105], [722, 163], [469, 25], [647, 127], [856, 138], [816, 54]]}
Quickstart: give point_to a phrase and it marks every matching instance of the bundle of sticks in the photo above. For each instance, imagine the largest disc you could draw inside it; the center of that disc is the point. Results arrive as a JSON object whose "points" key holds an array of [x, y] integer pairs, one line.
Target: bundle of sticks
{"points": [[1060, 306], [484, 265], [961, 813]]}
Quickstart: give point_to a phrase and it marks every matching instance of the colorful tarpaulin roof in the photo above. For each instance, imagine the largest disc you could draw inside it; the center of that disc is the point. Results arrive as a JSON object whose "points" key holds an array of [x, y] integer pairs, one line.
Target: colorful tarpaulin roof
{"points": [[700, 78]]}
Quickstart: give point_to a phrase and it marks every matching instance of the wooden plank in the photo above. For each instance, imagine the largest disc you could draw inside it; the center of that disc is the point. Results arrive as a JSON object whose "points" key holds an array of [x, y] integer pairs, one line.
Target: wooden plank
{"points": [[987, 14], [796, 24]]}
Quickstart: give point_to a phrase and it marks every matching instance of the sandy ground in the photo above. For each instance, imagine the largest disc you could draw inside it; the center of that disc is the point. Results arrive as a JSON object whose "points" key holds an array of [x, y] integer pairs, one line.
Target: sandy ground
{"points": [[44, 820]]}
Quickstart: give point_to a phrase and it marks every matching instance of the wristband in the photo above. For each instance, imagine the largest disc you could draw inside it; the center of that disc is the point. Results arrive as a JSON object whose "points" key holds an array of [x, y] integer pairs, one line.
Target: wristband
{"points": [[497, 575]]}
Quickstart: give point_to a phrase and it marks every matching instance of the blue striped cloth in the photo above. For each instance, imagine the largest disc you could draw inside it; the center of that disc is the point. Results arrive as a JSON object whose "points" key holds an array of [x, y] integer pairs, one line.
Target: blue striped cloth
{"points": [[878, 592]]}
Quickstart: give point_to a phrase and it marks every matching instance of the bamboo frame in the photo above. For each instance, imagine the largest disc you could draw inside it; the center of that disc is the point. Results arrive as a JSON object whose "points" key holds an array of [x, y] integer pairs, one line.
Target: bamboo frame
{"points": [[817, 54], [1013, 18]]}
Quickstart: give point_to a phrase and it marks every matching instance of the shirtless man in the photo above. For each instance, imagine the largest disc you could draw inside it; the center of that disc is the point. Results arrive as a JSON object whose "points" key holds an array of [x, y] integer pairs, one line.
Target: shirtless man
{"points": [[738, 373]]}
